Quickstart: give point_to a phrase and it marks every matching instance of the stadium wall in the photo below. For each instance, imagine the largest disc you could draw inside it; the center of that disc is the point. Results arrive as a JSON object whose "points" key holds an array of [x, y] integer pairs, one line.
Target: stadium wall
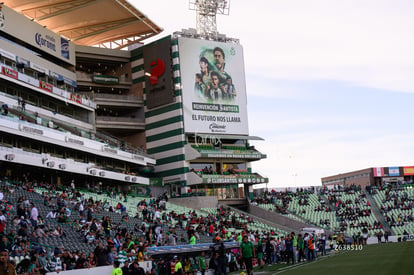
{"points": [[165, 139], [361, 177]]}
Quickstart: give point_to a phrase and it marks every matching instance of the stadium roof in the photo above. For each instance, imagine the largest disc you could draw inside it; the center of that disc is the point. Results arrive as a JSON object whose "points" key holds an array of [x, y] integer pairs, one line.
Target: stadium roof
{"points": [[111, 24]]}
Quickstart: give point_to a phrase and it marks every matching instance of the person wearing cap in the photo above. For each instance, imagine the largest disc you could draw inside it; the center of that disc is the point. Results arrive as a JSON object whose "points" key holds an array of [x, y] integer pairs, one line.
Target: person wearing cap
{"points": [[178, 268], [117, 270], [6, 268]]}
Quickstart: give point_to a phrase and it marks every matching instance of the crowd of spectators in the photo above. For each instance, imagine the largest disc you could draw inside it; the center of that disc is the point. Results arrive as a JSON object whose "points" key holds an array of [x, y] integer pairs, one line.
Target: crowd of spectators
{"points": [[401, 201], [281, 200], [395, 201], [350, 206], [28, 223], [109, 233]]}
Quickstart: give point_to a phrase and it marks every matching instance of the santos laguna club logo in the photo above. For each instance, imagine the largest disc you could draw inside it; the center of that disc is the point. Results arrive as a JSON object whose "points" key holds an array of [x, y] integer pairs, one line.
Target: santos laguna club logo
{"points": [[157, 70]]}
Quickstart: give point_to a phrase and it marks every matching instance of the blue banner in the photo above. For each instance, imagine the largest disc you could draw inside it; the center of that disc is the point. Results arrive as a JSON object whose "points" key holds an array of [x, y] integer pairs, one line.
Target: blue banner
{"points": [[393, 171]]}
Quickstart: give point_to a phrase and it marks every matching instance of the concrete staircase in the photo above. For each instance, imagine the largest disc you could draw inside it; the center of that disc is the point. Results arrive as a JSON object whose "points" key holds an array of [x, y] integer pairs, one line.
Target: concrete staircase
{"points": [[377, 213], [331, 207]]}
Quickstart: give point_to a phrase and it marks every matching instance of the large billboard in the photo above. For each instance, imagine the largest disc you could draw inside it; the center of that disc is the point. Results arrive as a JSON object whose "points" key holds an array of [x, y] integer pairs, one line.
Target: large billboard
{"points": [[36, 35], [213, 87], [158, 73]]}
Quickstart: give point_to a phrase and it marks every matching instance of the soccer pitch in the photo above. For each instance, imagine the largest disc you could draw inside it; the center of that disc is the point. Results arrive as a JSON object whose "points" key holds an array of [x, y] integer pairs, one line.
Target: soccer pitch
{"points": [[390, 258]]}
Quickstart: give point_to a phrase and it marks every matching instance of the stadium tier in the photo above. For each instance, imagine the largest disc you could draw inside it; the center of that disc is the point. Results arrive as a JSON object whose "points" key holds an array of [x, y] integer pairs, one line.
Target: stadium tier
{"points": [[396, 206], [347, 211], [78, 220]]}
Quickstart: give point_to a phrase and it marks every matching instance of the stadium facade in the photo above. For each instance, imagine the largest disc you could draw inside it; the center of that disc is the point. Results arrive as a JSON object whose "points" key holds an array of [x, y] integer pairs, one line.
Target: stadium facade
{"points": [[105, 116], [373, 176], [201, 143]]}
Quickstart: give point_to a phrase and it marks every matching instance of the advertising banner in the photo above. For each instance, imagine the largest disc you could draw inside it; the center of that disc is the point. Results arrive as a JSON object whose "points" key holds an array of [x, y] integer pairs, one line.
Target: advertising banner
{"points": [[36, 35], [39, 68], [158, 73], [379, 172], [393, 171], [408, 171], [9, 72], [213, 87], [105, 79], [75, 98], [45, 86]]}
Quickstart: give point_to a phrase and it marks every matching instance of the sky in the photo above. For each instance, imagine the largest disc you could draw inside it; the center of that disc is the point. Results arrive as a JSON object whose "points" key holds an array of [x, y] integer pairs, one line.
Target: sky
{"points": [[330, 83]]}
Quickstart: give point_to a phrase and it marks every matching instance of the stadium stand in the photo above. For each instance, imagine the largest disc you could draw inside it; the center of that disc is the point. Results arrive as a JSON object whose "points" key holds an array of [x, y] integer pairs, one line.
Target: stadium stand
{"points": [[71, 224], [82, 228], [347, 211], [396, 205]]}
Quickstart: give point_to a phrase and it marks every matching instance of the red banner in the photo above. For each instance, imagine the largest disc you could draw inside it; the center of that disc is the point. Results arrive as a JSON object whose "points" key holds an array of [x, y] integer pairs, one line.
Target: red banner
{"points": [[45, 86], [75, 98], [408, 171], [379, 172], [9, 72]]}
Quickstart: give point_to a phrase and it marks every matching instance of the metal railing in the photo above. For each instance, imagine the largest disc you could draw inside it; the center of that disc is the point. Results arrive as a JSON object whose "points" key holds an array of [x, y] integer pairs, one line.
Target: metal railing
{"points": [[120, 119], [116, 96]]}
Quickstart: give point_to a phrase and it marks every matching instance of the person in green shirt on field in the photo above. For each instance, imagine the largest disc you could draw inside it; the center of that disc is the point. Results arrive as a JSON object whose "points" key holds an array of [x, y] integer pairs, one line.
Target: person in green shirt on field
{"points": [[301, 248], [178, 269], [259, 250], [201, 260], [295, 246], [247, 251]]}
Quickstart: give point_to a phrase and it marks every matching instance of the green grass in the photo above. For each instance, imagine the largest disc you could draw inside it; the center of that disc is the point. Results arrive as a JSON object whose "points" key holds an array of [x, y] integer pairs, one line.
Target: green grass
{"points": [[378, 259]]}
